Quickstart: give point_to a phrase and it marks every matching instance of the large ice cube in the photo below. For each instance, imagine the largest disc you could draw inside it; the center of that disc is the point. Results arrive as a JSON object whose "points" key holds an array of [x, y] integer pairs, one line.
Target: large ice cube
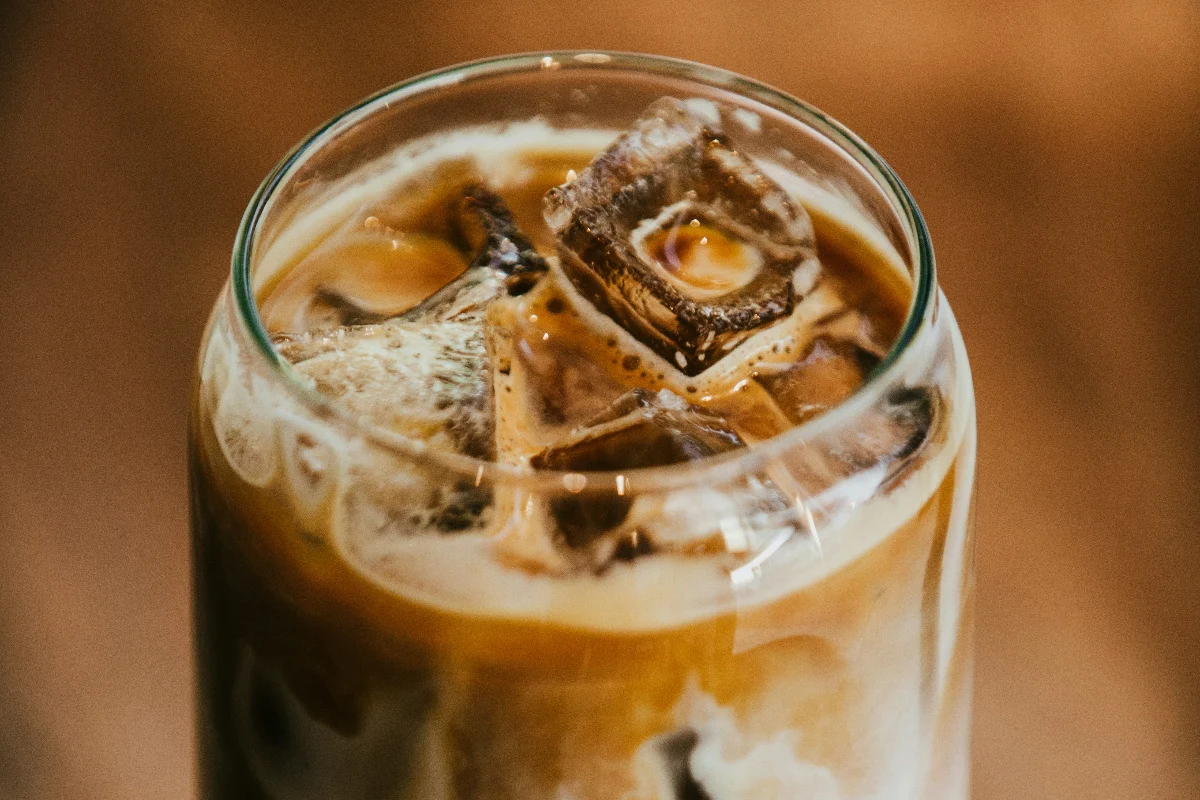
{"points": [[835, 364], [640, 429], [424, 381], [425, 373], [594, 529], [681, 239]]}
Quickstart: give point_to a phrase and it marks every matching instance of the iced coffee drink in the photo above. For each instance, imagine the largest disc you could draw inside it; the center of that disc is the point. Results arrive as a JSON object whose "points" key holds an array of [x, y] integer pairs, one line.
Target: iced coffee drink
{"points": [[583, 427]]}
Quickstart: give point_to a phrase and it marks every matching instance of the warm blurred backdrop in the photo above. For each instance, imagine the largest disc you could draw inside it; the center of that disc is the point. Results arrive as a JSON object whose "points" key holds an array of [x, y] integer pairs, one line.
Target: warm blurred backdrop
{"points": [[1055, 151]]}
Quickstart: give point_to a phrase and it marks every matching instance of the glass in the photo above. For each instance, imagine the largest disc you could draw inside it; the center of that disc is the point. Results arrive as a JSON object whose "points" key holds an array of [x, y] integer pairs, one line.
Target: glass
{"points": [[832, 661]]}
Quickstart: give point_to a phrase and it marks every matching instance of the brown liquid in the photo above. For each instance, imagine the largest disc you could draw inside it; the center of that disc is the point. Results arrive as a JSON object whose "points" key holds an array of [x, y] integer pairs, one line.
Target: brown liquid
{"points": [[318, 680]]}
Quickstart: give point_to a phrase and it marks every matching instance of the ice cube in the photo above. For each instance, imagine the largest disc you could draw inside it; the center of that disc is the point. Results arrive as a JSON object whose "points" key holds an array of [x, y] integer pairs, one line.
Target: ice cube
{"points": [[505, 262], [880, 440], [639, 430], [680, 238], [826, 375], [552, 370], [382, 500], [870, 453], [313, 462], [505, 246], [425, 374], [424, 381], [738, 518], [597, 525], [243, 426]]}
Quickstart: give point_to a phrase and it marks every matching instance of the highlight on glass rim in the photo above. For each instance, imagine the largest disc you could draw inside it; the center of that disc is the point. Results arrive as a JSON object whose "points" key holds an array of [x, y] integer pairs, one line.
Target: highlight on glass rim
{"points": [[583, 426]]}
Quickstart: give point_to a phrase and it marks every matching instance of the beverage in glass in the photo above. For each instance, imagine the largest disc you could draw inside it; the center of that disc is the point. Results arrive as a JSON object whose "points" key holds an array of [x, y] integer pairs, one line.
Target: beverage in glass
{"points": [[583, 426]]}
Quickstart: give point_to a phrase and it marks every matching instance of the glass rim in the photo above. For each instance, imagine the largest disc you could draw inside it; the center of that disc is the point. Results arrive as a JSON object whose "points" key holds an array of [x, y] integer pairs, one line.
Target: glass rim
{"points": [[712, 469]]}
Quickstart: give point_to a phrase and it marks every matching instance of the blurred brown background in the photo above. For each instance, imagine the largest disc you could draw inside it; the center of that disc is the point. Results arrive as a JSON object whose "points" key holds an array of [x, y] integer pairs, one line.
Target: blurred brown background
{"points": [[1055, 150]]}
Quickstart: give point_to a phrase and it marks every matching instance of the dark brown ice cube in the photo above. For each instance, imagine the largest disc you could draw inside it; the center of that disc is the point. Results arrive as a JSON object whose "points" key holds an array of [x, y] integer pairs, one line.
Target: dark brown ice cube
{"points": [[827, 374], [641, 429], [680, 238]]}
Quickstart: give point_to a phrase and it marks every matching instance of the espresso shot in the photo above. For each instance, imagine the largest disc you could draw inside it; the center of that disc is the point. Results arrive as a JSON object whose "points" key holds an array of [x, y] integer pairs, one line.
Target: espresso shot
{"points": [[583, 427]]}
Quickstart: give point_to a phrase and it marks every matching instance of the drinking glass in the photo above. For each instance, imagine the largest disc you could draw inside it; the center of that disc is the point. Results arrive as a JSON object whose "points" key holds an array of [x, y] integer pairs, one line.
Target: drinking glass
{"points": [[340, 657]]}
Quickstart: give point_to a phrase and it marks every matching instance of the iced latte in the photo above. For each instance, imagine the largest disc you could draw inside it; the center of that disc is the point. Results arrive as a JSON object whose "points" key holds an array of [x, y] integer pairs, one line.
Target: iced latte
{"points": [[583, 427]]}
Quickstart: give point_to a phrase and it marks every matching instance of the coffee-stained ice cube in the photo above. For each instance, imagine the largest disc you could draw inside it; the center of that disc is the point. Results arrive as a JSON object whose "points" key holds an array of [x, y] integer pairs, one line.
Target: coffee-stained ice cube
{"points": [[886, 438], [896, 430], [641, 429], [680, 238], [827, 374]]}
